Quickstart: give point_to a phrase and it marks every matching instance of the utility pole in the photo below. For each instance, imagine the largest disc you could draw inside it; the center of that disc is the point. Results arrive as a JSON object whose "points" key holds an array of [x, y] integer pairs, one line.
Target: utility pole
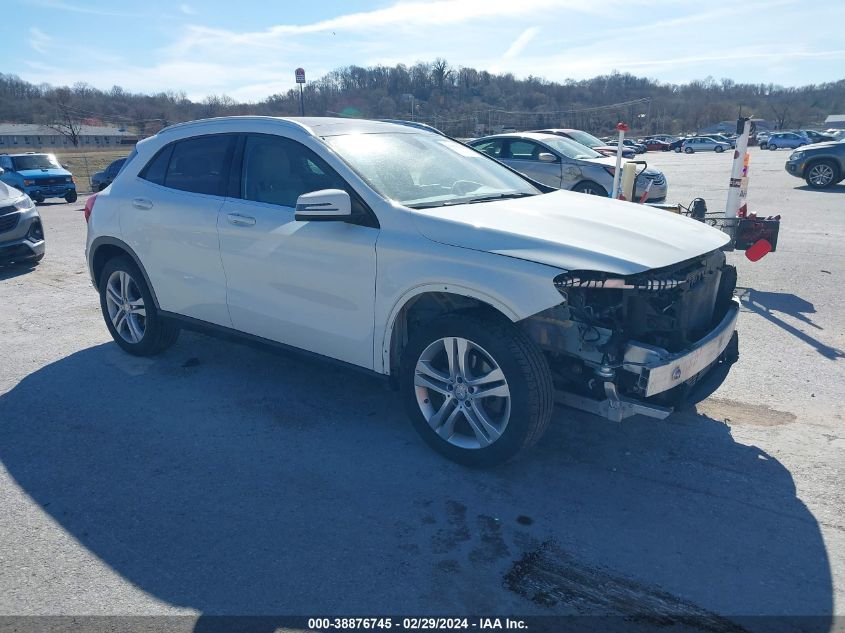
{"points": [[300, 79]]}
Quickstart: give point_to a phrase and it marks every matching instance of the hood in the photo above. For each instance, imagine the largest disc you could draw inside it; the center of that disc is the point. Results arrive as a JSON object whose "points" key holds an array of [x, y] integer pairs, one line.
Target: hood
{"points": [[8, 194], [572, 231], [35, 174], [820, 145]]}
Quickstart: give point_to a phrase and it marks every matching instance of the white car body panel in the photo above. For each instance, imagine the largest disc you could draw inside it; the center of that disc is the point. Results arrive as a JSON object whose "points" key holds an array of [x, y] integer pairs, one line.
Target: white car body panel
{"points": [[335, 288], [306, 284], [572, 231]]}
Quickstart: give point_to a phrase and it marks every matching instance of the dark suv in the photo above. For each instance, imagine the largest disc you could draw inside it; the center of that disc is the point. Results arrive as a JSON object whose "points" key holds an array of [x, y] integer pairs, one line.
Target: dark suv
{"points": [[103, 179], [822, 165]]}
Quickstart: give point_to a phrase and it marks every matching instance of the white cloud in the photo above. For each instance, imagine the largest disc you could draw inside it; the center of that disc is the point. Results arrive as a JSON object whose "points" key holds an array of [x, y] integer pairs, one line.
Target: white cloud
{"points": [[39, 40], [521, 42], [187, 9]]}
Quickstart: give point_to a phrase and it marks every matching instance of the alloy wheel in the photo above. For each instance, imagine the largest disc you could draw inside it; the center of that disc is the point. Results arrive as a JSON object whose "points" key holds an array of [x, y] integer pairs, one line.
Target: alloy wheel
{"points": [[126, 308], [462, 393], [820, 175]]}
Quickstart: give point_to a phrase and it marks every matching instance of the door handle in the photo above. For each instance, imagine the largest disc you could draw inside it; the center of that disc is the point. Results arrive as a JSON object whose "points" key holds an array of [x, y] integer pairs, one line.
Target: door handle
{"points": [[142, 203], [241, 220]]}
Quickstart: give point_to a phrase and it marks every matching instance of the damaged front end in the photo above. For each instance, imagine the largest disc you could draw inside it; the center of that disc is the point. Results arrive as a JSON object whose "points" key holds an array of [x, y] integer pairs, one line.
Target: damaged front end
{"points": [[636, 344]]}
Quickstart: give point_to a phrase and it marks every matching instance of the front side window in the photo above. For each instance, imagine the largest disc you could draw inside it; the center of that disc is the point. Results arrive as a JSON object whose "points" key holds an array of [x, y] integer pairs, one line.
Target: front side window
{"points": [[524, 150], [277, 170]]}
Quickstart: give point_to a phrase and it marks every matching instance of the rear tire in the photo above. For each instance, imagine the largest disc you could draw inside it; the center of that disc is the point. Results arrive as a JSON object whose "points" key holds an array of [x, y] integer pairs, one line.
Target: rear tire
{"points": [[591, 188], [129, 310], [472, 429]]}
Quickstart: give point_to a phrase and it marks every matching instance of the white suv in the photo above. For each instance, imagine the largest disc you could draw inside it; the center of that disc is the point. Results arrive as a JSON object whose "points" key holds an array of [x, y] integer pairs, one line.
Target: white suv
{"points": [[483, 296]]}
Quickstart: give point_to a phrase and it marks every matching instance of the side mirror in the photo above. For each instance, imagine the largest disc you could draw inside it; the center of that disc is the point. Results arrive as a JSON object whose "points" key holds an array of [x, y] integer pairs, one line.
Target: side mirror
{"points": [[326, 205], [547, 157]]}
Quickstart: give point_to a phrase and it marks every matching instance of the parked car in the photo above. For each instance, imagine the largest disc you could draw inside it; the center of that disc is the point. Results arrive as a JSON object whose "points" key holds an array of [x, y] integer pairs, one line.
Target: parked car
{"points": [[103, 179], [21, 232], [596, 144], [639, 148], [656, 145], [564, 164], [40, 176], [763, 139], [822, 165], [720, 138], [789, 140], [677, 145], [395, 250], [817, 137], [703, 144]]}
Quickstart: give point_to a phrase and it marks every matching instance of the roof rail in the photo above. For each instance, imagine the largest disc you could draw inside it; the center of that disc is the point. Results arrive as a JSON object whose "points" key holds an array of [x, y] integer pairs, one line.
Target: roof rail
{"points": [[221, 119]]}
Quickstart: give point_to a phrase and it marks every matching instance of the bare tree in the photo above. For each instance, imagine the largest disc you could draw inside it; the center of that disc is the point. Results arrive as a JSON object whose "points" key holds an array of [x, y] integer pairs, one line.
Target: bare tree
{"points": [[65, 122]]}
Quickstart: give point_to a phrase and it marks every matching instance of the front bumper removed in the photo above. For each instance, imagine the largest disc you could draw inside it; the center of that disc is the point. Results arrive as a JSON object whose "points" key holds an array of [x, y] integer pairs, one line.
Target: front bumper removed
{"points": [[659, 371]]}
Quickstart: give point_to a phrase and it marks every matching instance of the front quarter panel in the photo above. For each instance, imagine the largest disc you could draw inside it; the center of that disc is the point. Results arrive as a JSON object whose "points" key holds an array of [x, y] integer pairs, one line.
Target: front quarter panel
{"points": [[410, 264]]}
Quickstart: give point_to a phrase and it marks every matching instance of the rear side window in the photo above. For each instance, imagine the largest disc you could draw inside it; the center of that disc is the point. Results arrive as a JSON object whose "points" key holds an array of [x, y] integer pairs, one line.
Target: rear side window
{"points": [[156, 169], [198, 165]]}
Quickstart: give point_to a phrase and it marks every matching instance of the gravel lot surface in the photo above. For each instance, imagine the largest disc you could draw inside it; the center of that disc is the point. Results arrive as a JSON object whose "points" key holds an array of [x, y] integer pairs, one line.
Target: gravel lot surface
{"points": [[223, 479]]}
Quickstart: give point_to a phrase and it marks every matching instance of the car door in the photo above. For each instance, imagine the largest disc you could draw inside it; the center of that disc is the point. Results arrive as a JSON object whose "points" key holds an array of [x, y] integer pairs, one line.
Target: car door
{"points": [[170, 221], [310, 285], [524, 156]]}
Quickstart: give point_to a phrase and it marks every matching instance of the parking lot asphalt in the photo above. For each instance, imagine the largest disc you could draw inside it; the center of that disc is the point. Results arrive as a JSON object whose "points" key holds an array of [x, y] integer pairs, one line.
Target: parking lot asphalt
{"points": [[223, 479]]}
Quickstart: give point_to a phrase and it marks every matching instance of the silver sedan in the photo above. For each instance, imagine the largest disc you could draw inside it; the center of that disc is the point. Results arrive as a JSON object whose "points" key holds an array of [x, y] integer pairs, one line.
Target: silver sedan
{"points": [[564, 164]]}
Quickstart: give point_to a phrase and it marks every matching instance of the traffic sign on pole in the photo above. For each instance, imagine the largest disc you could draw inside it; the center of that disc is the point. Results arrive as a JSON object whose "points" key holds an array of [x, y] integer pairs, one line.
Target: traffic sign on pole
{"points": [[300, 75]]}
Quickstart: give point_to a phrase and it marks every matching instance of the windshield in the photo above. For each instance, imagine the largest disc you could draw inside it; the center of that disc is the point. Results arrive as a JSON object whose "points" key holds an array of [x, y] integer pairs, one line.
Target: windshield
{"points": [[570, 148], [35, 161], [586, 139], [427, 170]]}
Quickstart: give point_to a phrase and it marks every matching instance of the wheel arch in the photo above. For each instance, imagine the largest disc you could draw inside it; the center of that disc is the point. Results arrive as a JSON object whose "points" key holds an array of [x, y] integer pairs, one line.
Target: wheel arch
{"points": [[430, 301], [104, 249]]}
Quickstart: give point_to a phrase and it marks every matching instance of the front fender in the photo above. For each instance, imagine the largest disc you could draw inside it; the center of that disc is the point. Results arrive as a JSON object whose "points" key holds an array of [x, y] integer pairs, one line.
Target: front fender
{"points": [[515, 287]]}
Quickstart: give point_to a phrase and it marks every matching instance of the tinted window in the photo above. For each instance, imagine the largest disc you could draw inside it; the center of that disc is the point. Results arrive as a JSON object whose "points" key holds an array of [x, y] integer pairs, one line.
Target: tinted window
{"points": [[200, 165], [156, 169], [524, 150], [491, 148], [277, 170]]}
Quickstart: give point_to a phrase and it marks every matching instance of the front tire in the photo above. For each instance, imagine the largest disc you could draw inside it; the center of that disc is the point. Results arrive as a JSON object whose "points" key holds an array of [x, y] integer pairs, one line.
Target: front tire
{"points": [[719, 149], [129, 310], [591, 188], [688, 150], [476, 388], [773, 147], [822, 174], [70, 197]]}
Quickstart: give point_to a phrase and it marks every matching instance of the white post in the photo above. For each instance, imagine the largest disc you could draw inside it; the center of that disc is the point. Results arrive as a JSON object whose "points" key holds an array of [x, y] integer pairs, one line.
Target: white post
{"points": [[735, 190], [617, 172]]}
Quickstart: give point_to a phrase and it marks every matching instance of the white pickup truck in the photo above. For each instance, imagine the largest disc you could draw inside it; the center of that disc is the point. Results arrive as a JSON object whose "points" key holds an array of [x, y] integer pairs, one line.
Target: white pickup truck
{"points": [[485, 297]]}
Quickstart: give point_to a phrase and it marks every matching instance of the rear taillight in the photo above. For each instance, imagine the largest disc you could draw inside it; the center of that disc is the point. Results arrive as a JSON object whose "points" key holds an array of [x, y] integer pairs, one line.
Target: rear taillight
{"points": [[89, 206]]}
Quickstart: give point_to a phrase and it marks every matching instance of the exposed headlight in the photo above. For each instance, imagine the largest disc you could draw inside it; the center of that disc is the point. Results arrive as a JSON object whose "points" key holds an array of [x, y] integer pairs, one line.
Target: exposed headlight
{"points": [[24, 203], [69, 179], [796, 156]]}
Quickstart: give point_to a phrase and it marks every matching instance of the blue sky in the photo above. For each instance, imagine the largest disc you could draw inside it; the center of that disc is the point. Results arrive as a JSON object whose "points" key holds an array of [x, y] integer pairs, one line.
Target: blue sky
{"points": [[249, 49]]}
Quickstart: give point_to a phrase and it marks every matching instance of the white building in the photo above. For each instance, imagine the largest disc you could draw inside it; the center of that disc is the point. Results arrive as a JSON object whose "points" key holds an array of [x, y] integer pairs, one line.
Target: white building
{"points": [[33, 136], [835, 121]]}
